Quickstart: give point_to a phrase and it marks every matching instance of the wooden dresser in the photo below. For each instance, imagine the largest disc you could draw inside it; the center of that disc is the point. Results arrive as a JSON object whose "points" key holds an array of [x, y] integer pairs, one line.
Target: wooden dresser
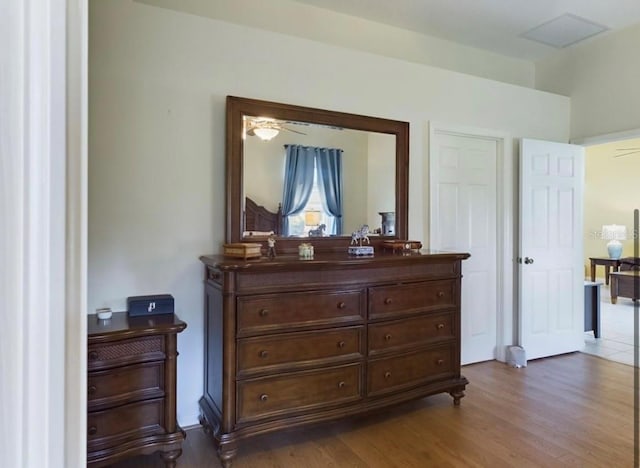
{"points": [[132, 388], [290, 342]]}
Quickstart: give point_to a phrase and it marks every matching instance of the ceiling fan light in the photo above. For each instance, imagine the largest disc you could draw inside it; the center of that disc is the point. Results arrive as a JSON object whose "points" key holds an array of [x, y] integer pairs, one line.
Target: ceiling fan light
{"points": [[265, 133]]}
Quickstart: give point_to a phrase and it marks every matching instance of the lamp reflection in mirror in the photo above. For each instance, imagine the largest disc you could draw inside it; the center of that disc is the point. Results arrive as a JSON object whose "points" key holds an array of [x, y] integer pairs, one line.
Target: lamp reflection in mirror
{"points": [[265, 132], [312, 218], [614, 233]]}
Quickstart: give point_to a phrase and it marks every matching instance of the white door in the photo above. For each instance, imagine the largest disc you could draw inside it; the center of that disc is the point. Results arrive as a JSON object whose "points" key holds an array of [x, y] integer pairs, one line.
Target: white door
{"points": [[463, 172], [551, 319]]}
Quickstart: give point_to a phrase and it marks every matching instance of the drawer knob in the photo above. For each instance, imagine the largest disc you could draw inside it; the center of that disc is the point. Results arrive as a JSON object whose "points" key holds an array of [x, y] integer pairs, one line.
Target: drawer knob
{"points": [[264, 397], [440, 293], [264, 312], [264, 354], [388, 300], [440, 326], [341, 384], [387, 337], [92, 430], [440, 362], [92, 389], [342, 305], [341, 344], [387, 375], [93, 355]]}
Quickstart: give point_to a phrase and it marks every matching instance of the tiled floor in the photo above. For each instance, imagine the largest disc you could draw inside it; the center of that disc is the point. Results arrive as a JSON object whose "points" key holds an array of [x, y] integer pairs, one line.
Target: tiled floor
{"points": [[617, 330]]}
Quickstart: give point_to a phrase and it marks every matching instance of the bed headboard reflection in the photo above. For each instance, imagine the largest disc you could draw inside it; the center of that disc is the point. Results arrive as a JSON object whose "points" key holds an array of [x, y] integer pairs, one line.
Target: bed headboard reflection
{"points": [[260, 220]]}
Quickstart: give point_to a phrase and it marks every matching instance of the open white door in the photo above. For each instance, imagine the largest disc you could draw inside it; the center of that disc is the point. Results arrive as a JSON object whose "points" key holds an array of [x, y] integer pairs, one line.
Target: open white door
{"points": [[551, 288]]}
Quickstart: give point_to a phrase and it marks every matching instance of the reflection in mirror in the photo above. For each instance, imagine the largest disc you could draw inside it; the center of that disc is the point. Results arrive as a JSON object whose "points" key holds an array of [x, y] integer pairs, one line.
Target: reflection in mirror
{"points": [[366, 173], [358, 170]]}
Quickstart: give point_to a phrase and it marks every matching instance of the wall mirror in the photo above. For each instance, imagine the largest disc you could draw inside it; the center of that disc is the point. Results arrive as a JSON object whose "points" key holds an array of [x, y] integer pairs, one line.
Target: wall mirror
{"points": [[312, 173]]}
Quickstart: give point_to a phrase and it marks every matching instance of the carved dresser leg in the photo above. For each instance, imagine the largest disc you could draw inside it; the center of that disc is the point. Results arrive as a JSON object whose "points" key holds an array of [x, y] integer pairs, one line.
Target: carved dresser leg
{"points": [[457, 394], [170, 458], [227, 452]]}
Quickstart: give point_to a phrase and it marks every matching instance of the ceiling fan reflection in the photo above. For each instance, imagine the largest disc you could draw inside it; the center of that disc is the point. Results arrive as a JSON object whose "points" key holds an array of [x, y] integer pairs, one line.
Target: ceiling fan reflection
{"points": [[266, 129]]}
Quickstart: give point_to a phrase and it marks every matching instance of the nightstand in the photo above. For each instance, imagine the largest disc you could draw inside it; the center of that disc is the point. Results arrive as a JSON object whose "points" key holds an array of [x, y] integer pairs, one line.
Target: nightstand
{"points": [[131, 388]]}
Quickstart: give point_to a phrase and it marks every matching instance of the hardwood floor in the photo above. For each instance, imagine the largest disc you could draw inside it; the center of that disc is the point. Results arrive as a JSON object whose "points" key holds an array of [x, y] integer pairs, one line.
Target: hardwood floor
{"points": [[570, 410]]}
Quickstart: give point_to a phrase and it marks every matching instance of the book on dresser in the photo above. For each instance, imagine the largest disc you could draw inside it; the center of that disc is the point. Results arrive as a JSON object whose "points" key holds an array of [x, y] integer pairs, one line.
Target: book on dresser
{"points": [[131, 388], [291, 342]]}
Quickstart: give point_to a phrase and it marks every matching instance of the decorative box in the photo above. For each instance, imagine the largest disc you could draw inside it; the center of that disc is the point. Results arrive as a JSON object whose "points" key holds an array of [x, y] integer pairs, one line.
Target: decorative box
{"points": [[401, 245], [150, 305], [242, 250]]}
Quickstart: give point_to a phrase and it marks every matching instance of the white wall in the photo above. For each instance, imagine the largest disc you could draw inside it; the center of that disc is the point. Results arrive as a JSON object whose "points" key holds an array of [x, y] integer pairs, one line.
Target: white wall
{"points": [[318, 24], [381, 178], [602, 78], [157, 86]]}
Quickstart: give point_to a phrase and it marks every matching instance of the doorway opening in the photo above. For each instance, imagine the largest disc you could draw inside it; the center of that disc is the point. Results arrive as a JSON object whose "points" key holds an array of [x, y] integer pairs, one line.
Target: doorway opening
{"points": [[611, 194]]}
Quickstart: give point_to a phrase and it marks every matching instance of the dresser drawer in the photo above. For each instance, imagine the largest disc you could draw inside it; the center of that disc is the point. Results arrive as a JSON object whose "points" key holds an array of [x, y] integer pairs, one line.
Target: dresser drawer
{"points": [[298, 392], [409, 332], [113, 426], [388, 301], [260, 314], [125, 384], [408, 370], [129, 351], [297, 350]]}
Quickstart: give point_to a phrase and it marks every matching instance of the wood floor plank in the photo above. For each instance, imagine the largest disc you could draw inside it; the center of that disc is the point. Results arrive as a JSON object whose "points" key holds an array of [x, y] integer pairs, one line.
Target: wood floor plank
{"points": [[574, 410]]}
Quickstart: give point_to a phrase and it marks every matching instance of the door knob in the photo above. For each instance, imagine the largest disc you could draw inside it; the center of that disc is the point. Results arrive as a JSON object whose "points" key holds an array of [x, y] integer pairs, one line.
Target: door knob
{"points": [[528, 261]]}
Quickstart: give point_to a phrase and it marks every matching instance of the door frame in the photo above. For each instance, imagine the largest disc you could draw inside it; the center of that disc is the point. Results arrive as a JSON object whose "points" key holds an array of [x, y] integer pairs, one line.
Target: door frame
{"points": [[45, 234], [506, 227]]}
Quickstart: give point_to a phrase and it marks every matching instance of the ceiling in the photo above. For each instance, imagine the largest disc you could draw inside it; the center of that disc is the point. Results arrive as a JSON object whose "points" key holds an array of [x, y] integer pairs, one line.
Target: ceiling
{"points": [[495, 25]]}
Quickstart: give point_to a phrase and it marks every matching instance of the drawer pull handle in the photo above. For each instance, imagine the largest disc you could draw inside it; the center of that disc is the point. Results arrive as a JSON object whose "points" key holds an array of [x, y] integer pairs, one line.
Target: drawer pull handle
{"points": [[388, 300], [341, 384], [341, 344], [440, 326], [440, 293], [342, 305], [387, 337], [92, 389], [440, 362], [93, 355], [264, 312], [264, 397], [92, 430], [264, 354], [387, 375]]}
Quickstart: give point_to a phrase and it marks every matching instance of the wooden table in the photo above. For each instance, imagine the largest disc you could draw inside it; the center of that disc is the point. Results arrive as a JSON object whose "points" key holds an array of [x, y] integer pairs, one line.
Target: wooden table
{"points": [[607, 263], [625, 284]]}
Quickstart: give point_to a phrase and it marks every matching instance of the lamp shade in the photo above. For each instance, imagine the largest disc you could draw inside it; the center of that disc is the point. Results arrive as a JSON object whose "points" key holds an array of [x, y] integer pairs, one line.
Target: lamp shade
{"points": [[312, 218], [614, 232]]}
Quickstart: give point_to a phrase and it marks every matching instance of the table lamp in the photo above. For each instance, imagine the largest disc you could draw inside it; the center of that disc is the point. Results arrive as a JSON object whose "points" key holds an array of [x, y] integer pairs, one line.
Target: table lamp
{"points": [[312, 218], [614, 233]]}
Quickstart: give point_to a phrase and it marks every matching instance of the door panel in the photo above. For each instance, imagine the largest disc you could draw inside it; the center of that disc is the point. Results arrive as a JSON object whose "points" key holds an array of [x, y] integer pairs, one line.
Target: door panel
{"points": [[463, 172], [551, 270]]}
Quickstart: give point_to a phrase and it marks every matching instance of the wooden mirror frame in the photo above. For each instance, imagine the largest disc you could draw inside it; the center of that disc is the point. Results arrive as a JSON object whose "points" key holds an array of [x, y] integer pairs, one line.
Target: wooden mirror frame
{"points": [[238, 107]]}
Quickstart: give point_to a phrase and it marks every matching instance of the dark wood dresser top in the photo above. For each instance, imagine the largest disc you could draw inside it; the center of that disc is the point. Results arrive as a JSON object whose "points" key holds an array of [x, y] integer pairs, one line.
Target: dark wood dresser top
{"points": [[120, 326], [330, 258]]}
